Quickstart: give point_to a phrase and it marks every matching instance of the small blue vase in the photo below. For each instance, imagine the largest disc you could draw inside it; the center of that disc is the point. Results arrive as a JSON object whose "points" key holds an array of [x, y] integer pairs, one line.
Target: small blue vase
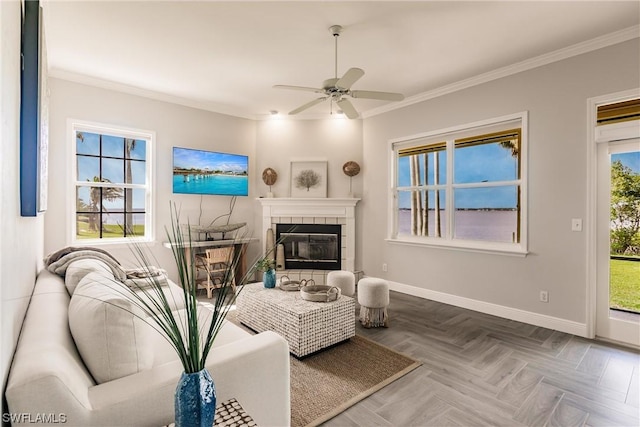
{"points": [[195, 400], [269, 278]]}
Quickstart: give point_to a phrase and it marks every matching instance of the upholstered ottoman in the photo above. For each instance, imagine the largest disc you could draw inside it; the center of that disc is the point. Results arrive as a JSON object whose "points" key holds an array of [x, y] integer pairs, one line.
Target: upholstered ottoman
{"points": [[373, 297], [345, 280]]}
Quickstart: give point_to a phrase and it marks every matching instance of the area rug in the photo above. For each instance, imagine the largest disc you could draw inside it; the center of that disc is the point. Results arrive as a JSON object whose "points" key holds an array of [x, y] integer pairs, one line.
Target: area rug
{"points": [[326, 383]]}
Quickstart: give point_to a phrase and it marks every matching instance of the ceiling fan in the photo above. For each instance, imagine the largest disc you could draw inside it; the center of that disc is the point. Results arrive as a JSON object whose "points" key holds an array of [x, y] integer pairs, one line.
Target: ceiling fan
{"points": [[338, 90]]}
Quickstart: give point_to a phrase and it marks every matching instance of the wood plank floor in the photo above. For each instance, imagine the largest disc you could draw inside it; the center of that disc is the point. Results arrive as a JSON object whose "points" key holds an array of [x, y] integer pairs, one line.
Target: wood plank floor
{"points": [[481, 370]]}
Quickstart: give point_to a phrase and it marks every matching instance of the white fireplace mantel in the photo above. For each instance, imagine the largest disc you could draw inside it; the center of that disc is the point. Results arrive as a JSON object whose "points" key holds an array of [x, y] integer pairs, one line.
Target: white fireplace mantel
{"points": [[320, 207], [315, 208]]}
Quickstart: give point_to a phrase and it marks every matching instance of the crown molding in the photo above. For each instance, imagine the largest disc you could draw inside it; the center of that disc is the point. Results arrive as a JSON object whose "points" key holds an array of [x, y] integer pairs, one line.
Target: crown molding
{"points": [[145, 93], [545, 59], [528, 64]]}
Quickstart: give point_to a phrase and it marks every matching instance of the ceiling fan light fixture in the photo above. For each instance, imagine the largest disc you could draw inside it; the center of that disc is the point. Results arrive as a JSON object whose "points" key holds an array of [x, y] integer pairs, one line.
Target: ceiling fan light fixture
{"points": [[338, 90]]}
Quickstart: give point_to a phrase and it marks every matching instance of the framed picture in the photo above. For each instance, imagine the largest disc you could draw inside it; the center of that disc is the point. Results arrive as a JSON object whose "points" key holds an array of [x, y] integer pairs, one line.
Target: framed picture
{"points": [[309, 179], [34, 104]]}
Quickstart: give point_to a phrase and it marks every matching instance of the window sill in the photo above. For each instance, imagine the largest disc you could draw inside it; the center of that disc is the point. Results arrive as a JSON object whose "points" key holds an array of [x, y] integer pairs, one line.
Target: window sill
{"points": [[124, 243], [466, 246]]}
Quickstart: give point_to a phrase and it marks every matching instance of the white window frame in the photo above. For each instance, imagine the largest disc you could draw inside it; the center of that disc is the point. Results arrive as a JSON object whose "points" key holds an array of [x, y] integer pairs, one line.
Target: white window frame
{"points": [[74, 126], [449, 135]]}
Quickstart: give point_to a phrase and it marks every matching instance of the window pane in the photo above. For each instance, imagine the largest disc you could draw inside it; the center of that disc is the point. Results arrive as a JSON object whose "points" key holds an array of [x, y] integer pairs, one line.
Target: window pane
{"points": [[87, 226], [112, 199], [111, 212], [83, 199], [135, 172], [437, 168], [136, 149], [88, 168], [489, 214], [112, 146], [486, 163], [113, 170], [87, 143], [406, 167], [138, 200], [113, 225], [137, 228], [422, 169], [422, 213]]}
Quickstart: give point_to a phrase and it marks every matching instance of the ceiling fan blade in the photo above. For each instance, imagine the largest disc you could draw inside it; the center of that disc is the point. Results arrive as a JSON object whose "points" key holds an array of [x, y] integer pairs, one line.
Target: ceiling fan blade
{"points": [[350, 77], [347, 108], [307, 105], [304, 88], [369, 94]]}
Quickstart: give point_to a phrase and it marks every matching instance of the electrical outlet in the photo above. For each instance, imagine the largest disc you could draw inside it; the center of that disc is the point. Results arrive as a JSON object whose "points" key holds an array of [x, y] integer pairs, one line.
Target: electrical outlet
{"points": [[544, 296], [384, 266]]}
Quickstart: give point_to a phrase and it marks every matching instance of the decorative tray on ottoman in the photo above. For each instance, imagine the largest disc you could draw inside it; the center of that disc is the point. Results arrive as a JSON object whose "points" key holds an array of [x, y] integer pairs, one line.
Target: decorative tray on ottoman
{"points": [[320, 293], [293, 285]]}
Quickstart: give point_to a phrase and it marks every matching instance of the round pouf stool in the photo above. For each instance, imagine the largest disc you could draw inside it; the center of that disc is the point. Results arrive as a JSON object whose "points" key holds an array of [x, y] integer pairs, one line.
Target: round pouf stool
{"points": [[345, 280], [373, 297]]}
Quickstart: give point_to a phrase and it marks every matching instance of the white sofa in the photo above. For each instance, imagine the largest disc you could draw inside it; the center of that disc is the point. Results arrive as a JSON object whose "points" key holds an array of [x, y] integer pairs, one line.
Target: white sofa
{"points": [[49, 380]]}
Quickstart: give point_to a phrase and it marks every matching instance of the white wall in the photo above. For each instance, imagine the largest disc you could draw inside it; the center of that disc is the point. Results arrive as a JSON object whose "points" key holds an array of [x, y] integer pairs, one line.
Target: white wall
{"points": [[270, 143], [21, 238], [282, 140], [337, 140], [556, 98], [174, 125]]}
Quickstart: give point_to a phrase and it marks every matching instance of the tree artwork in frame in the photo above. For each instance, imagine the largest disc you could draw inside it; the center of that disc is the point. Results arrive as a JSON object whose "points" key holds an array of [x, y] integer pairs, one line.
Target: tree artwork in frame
{"points": [[309, 179]]}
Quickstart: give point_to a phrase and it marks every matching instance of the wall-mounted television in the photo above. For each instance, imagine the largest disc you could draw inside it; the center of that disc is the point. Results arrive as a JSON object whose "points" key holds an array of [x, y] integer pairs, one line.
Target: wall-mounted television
{"points": [[210, 172]]}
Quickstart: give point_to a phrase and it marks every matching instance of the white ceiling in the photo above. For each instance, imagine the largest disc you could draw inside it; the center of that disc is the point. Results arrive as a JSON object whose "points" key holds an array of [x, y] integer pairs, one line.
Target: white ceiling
{"points": [[226, 56]]}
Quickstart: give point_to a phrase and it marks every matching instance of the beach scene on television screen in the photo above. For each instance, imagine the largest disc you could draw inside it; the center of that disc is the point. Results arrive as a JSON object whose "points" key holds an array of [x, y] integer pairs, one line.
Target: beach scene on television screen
{"points": [[208, 172]]}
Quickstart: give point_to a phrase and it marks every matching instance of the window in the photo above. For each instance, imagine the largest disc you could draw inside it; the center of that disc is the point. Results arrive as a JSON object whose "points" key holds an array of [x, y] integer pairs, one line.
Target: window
{"points": [[111, 184], [462, 187]]}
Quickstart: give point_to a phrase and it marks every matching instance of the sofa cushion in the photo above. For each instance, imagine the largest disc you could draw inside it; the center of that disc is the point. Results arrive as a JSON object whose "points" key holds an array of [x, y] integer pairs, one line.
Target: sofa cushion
{"points": [[107, 328], [80, 268]]}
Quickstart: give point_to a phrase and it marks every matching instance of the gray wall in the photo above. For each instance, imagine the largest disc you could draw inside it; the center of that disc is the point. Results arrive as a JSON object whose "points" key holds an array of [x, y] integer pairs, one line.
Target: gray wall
{"points": [[21, 239], [556, 97], [174, 125], [336, 140], [269, 143]]}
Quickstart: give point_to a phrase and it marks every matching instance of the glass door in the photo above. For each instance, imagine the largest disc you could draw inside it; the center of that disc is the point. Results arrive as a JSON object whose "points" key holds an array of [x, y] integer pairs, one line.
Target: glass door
{"points": [[618, 241]]}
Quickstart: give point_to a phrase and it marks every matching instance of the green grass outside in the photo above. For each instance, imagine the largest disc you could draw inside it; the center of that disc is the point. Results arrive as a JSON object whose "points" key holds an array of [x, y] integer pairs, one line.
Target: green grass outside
{"points": [[624, 291], [83, 231]]}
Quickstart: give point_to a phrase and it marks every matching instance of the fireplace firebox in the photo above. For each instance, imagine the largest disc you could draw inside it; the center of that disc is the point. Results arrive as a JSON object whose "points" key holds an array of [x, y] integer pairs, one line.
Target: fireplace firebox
{"points": [[310, 246]]}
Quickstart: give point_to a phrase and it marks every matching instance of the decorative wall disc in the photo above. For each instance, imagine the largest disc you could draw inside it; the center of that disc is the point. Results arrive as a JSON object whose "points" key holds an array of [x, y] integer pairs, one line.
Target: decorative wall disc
{"points": [[351, 168], [269, 176]]}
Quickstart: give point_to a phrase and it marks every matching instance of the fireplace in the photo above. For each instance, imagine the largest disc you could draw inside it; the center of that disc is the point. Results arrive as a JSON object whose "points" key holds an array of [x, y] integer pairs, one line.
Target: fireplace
{"points": [[338, 212], [311, 246]]}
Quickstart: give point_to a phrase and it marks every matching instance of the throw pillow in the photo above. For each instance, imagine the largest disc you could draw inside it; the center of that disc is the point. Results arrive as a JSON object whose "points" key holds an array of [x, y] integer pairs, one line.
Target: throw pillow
{"points": [[80, 268], [110, 336]]}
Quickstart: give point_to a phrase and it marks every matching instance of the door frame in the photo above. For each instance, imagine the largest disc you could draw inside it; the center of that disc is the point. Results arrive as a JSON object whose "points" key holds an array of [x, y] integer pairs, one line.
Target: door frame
{"points": [[595, 137]]}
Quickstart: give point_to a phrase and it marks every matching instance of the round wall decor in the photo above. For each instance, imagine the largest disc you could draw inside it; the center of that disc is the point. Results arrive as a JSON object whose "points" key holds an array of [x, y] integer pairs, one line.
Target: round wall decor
{"points": [[351, 168], [269, 176]]}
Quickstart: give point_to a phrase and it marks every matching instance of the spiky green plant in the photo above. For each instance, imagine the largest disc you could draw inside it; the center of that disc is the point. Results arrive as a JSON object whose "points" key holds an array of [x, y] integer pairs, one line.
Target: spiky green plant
{"points": [[193, 334]]}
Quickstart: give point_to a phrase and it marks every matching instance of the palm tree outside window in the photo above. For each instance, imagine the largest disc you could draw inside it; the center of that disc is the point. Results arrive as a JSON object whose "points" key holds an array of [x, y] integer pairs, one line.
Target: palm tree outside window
{"points": [[463, 187], [111, 185]]}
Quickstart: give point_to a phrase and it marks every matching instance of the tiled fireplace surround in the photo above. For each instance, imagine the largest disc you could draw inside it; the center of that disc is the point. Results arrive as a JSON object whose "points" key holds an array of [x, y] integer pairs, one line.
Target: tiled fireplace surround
{"points": [[314, 211]]}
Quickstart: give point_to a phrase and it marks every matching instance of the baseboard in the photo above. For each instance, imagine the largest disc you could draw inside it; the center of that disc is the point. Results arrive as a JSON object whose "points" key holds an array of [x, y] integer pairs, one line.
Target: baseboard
{"points": [[529, 317]]}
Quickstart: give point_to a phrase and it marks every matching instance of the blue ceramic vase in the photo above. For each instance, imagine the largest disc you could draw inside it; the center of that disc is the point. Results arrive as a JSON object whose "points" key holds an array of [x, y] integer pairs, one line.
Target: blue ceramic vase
{"points": [[269, 278], [195, 400]]}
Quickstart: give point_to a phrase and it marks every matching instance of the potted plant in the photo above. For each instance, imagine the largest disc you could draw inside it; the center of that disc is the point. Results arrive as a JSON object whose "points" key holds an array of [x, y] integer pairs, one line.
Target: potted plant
{"points": [[191, 334], [267, 265]]}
